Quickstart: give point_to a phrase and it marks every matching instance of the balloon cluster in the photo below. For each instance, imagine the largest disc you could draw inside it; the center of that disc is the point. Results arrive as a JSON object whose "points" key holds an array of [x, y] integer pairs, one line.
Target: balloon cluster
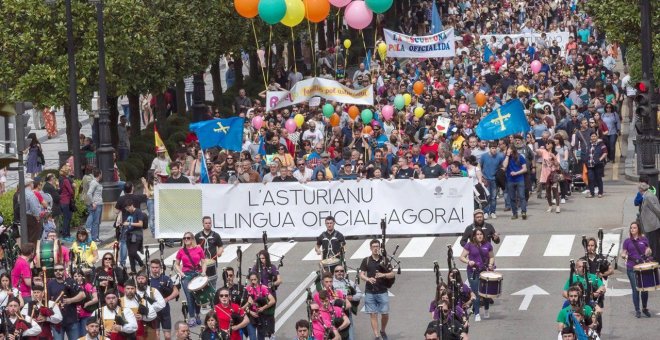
{"points": [[358, 14]]}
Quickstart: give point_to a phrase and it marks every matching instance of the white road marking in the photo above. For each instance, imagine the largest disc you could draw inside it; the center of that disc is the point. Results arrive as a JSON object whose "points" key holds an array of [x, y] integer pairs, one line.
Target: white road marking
{"points": [[559, 245], [281, 320], [280, 249], [301, 287], [528, 294], [364, 250], [512, 245], [457, 248], [312, 256], [608, 240], [230, 252], [417, 247]]}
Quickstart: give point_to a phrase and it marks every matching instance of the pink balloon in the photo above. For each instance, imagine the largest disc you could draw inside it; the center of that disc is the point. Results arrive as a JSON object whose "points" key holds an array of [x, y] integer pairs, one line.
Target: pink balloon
{"points": [[463, 108], [358, 15], [536, 66], [340, 3], [290, 125], [388, 112], [374, 123], [257, 122]]}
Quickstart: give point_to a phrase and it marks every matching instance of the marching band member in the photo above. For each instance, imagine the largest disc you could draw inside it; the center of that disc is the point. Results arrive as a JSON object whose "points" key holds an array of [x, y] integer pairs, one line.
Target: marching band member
{"points": [[230, 317], [152, 299], [85, 249], [331, 242], [636, 250], [478, 255], [262, 309], [236, 291], [270, 276], [480, 223], [63, 252], [67, 292], [169, 291], [596, 286], [18, 324], [182, 330], [337, 297], [376, 300], [92, 330], [21, 274], [89, 304], [45, 316], [109, 275], [211, 330], [460, 290], [138, 305], [594, 260], [574, 294], [352, 292], [302, 330], [7, 291], [190, 263], [321, 326], [449, 325], [118, 322], [211, 242], [334, 314]]}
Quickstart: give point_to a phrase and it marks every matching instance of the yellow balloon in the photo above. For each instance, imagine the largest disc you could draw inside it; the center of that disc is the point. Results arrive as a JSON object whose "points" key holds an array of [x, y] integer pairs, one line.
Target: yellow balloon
{"points": [[347, 43], [299, 119], [382, 50], [407, 99], [419, 112], [295, 13]]}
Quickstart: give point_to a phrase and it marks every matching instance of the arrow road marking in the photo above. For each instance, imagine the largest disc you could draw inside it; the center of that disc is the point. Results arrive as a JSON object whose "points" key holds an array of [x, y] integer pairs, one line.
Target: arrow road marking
{"points": [[529, 293]]}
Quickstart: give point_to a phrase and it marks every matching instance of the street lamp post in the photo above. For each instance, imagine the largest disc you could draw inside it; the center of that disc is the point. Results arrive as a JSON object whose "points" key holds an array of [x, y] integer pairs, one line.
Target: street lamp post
{"points": [[73, 85], [105, 153]]}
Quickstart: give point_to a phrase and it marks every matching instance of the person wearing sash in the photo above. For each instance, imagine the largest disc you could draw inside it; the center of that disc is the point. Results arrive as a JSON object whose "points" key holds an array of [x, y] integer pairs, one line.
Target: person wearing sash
{"points": [[68, 294], [211, 243], [119, 323], [230, 316], [143, 313], [478, 255], [14, 318], [261, 305], [189, 264], [46, 316], [596, 286], [92, 330], [7, 291], [333, 314], [331, 242], [236, 291], [636, 250], [151, 298], [352, 292], [85, 249], [169, 291], [109, 275], [89, 304], [320, 326]]}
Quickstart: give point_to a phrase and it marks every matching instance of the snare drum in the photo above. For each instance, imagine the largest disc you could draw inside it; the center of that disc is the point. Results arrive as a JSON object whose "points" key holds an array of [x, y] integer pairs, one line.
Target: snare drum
{"points": [[647, 277], [47, 255], [210, 262], [329, 263], [201, 291], [490, 284]]}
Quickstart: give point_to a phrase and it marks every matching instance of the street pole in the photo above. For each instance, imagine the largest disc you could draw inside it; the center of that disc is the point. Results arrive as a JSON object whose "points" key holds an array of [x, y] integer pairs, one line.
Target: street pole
{"points": [[647, 141], [21, 197], [199, 96], [73, 95], [105, 152]]}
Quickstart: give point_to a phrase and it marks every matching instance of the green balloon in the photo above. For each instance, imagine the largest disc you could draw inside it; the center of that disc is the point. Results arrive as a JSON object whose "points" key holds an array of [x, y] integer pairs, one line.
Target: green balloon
{"points": [[272, 11], [379, 6], [328, 110], [367, 116], [399, 103]]}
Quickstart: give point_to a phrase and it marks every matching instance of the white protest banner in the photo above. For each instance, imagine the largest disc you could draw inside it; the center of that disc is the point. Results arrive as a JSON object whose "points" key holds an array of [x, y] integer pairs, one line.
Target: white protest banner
{"points": [[560, 37], [305, 90], [295, 210], [439, 45]]}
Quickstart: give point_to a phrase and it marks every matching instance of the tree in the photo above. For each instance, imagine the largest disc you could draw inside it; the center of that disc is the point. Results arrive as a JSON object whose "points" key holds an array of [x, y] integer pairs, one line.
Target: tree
{"points": [[620, 20]]}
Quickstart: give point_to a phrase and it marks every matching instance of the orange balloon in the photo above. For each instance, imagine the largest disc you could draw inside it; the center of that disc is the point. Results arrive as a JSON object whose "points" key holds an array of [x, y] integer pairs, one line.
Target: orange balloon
{"points": [[247, 8], [418, 88], [353, 112], [367, 130], [480, 98], [334, 120], [316, 10]]}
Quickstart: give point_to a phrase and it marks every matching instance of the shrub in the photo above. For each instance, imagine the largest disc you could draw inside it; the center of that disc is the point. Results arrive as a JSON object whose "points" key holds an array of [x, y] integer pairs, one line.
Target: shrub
{"points": [[44, 173], [80, 216], [7, 206]]}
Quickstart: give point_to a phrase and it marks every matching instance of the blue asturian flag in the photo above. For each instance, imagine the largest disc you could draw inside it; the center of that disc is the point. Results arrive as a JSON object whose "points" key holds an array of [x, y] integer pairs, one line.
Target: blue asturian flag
{"points": [[436, 22], [204, 171], [487, 54], [226, 133], [504, 121]]}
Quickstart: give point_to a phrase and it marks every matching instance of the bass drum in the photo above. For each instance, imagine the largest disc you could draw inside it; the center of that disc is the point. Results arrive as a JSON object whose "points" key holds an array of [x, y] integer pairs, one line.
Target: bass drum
{"points": [[47, 255]]}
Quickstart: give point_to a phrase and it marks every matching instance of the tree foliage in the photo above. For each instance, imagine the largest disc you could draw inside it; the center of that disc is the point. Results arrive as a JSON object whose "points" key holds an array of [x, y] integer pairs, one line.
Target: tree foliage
{"points": [[621, 22]]}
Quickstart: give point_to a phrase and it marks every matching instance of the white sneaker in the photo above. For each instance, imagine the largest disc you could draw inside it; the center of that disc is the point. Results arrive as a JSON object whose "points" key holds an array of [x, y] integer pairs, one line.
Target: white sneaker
{"points": [[563, 201], [586, 192], [493, 216], [597, 191], [552, 207], [558, 210], [486, 314], [477, 318], [554, 201], [486, 216]]}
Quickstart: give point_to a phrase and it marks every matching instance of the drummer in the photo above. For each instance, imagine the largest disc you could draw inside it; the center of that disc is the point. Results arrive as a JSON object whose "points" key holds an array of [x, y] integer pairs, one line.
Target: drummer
{"points": [[636, 250], [478, 255], [85, 249], [63, 251], [211, 242], [331, 243], [190, 264], [270, 276]]}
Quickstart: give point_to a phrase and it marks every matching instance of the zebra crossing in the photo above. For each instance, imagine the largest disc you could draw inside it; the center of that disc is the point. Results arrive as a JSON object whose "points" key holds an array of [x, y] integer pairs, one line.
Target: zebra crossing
{"points": [[556, 245]]}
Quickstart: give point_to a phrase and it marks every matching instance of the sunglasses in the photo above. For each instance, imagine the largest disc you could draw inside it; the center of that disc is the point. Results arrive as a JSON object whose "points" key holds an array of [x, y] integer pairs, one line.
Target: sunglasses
{"points": [[314, 309], [339, 271], [59, 269], [230, 158], [187, 238], [224, 295], [107, 259]]}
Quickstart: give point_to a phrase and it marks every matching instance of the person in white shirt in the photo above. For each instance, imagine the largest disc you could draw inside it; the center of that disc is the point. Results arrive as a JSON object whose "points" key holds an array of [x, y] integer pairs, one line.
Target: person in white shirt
{"points": [[313, 134], [127, 322], [303, 174], [13, 316]]}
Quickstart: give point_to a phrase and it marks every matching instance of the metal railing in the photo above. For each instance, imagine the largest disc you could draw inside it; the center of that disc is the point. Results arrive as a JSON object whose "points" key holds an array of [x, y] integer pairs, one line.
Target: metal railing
{"points": [[656, 146]]}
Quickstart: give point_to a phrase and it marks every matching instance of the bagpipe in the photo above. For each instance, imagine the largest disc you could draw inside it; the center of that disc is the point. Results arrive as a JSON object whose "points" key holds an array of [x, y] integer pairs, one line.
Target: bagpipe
{"points": [[166, 288], [386, 262], [603, 260], [266, 270]]}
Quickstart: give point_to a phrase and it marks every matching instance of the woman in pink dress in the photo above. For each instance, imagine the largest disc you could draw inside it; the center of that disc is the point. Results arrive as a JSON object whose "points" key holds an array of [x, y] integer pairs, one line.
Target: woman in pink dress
{"points": [[51, 122]]}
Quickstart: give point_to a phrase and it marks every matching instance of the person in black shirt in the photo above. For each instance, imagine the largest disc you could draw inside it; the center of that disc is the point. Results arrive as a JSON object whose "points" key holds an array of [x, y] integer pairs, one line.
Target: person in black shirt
{"points": [[405, 172], [137, 199], [132, 225], [330, 243], [376, 299], [162, 282], [490, 234], [175, 174], [237, 293], [71, 296], [211, 242], [432, 169]]}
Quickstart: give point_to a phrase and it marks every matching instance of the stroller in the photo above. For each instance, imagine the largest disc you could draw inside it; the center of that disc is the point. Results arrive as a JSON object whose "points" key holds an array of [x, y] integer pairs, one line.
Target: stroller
{"points": [[578, 182], [480, 196]]}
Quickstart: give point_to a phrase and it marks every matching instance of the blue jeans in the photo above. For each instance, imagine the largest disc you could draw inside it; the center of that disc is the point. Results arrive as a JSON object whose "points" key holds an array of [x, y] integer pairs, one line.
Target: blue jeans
{"points": [[635, 292], [94, 220], [123, 253], [492, 197], [516, 191], [152, 216], [596, 178], [82, 324], [611, 147], [192, 311], [66, 220], [473, 279], [70, 330]]}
